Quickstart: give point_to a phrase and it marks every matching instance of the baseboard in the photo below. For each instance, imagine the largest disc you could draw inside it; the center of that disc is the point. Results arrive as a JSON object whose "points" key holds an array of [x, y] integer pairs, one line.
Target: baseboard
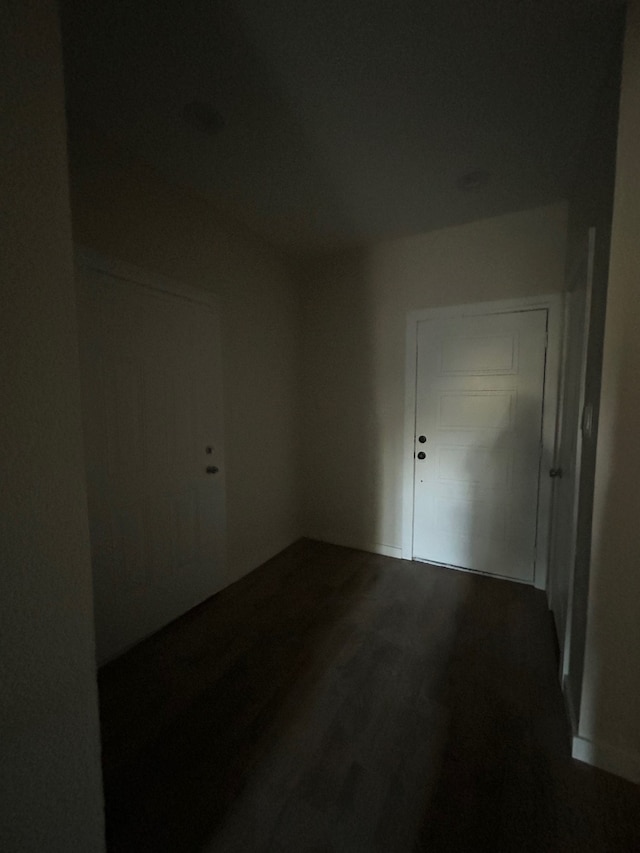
{"points": [[606, 757], [370, 547], [378, 548], [386, 550]]}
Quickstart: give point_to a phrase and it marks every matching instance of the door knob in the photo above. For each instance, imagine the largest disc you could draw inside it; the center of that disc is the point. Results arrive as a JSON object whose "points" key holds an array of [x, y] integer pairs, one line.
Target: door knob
{"points": [[422, 455], [422, 439], [556, 472], [212, 469]]}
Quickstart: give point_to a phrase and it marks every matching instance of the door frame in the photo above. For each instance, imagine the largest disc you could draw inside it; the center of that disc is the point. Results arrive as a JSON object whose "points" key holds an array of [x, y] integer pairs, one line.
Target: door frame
{"points": [[125, 271], [554, 304], [582, 426]]}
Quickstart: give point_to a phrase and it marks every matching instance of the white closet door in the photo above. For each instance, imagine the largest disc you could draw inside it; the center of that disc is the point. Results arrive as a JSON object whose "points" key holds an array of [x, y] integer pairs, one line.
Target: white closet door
{"points": [[480, 386], [152, 406]]}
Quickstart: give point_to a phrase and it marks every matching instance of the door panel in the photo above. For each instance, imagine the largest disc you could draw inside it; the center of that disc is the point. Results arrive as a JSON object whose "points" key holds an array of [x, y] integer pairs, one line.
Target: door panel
{"points": [[480, 384], [152, 405]]}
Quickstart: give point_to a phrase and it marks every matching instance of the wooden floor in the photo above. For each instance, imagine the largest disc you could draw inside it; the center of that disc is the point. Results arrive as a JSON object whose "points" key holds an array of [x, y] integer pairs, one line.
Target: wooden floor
{"points": [[335, 700]]}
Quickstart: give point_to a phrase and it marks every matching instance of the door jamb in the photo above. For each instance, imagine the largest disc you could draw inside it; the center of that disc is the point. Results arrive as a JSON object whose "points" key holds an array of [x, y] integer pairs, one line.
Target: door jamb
{"points": [[554, 304]]}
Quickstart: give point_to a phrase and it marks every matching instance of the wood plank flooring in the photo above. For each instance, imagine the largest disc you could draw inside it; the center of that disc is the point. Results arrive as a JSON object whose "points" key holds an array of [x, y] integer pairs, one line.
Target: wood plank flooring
{"points": [[335, 701]]}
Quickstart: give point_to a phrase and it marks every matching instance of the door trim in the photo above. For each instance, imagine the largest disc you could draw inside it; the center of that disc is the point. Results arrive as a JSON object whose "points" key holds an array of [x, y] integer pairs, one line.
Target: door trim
{"points": [[573, 279], [554, 305], [90, 259]]}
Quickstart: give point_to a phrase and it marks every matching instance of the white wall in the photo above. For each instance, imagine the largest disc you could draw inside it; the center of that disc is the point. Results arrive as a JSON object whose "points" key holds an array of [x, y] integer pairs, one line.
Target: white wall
{"points": [[354, 319], [126, 211], [50, 785], [610, 710]]}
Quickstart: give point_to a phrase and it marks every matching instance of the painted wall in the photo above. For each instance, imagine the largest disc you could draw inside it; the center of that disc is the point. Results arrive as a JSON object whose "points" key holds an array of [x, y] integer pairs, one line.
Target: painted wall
{"points": [[610, 712], [354, 319], [50, 784], [125, 211]]}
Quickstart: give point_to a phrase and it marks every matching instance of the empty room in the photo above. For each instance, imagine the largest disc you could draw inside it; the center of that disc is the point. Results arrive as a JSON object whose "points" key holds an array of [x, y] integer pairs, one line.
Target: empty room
{"points": [[319, 475]]}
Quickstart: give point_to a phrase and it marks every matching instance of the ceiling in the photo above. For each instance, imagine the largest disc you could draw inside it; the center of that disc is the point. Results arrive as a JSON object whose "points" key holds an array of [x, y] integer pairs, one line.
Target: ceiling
{"points": [[345, 121]]}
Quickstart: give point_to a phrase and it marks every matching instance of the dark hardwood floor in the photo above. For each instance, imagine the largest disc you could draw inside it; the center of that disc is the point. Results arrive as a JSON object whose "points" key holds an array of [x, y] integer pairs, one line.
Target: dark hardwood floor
{"points": [[335, 700]]}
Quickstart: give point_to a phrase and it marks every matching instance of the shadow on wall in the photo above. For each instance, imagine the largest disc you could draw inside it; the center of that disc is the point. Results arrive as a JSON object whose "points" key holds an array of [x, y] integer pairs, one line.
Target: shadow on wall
{"points": [[340, 437]]}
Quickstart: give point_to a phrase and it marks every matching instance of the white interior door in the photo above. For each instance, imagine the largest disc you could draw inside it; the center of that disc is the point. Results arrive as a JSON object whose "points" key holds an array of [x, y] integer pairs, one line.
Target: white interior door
{"points": [[479, 398], [152, 408]]}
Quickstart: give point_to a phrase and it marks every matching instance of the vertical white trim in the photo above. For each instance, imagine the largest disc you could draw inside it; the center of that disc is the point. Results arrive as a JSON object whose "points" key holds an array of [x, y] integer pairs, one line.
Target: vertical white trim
{"points": [[554, 307], [565, 642], [569, 309], [411, 372]]}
